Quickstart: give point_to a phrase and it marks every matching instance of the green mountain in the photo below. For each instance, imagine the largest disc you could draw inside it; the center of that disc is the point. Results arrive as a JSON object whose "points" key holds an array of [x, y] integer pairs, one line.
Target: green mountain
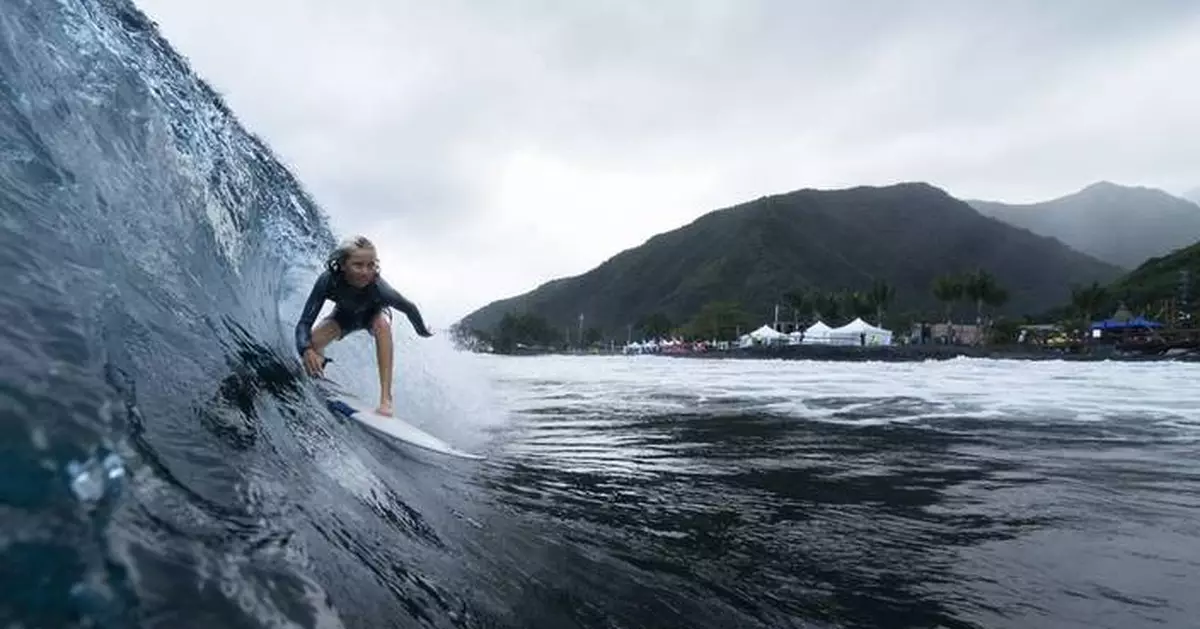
{"points": [[1118, 224], [1161, 288], [1159, 279], [753, 253]]}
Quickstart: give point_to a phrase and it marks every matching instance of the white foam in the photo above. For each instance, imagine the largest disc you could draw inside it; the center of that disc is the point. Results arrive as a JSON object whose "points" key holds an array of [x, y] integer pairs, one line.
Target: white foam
{"points": [[1085, 391]]}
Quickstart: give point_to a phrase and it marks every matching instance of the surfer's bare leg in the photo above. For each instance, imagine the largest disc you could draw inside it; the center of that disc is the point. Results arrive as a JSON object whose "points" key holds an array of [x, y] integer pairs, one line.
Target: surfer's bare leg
{"points": [[381, 329], [324, 334]]}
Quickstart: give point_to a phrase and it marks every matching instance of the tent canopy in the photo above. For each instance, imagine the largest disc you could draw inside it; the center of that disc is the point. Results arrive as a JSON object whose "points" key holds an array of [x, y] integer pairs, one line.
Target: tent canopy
{"points": [[860, 331], [858, 325], [817, 329], [1122, 324], [766, 332]]}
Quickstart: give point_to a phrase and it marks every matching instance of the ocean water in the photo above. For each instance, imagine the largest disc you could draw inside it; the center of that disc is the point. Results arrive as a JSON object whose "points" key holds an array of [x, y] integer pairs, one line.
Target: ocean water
{"points": [[164, 462], [964, 493]]}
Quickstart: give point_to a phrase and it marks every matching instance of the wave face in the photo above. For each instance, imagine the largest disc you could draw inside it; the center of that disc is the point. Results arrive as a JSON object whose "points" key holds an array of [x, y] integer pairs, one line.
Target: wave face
{"points": [[162, 463]]}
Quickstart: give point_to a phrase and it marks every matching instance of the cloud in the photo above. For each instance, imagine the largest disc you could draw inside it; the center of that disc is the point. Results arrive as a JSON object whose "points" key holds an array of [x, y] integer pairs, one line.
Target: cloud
{"points": [[489, 147]]}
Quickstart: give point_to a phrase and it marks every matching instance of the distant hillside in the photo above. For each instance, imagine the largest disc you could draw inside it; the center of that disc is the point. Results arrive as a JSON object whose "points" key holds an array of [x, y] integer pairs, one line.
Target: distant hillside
{"points": [[1121, 225], [1158, 279], [905, 235], [1193, 196]]}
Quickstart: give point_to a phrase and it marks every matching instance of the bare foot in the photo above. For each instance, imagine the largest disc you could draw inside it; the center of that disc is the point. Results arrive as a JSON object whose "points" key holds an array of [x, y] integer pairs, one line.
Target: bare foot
{"points": [[385, 408]]}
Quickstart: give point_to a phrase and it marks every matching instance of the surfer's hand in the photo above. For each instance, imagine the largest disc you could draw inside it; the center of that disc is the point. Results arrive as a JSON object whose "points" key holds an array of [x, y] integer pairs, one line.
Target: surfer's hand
{"points": [[313, 362]]}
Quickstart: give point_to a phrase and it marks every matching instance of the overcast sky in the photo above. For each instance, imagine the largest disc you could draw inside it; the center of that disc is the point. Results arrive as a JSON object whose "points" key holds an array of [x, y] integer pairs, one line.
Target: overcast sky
{"points": [[490, 146]]}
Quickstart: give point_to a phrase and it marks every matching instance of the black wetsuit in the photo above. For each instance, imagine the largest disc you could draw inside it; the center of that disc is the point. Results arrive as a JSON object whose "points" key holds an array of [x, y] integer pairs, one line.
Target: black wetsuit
{"points": [[354, 308]]}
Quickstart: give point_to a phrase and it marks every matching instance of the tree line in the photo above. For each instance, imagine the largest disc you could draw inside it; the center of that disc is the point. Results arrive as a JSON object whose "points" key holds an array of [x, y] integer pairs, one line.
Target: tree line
{"points": [[977, 287], [725, 319]]}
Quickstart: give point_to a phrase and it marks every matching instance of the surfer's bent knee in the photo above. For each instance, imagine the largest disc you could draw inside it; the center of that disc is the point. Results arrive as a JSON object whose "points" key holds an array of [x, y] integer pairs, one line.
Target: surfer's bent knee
{"points": [[325, 333], [381, 323]]}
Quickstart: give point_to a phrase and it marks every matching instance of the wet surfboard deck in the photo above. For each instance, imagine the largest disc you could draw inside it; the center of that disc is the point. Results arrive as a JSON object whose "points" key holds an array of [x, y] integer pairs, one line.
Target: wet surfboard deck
{"points": [[347, 405]]}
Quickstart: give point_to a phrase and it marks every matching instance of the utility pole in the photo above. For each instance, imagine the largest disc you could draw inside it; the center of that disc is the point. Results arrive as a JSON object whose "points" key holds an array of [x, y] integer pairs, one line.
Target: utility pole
{"points": [[581, 330]]}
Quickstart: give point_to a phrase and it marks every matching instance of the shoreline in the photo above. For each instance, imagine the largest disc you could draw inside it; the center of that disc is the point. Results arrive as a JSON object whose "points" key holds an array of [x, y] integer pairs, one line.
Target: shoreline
{"points": [[900, 353], [922, 353]]}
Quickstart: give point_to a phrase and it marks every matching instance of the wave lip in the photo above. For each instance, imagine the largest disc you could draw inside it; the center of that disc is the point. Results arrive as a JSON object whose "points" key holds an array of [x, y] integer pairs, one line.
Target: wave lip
{"points": [[147, 240]]}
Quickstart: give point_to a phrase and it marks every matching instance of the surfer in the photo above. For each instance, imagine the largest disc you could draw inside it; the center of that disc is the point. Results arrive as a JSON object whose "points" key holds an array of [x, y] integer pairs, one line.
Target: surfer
{"points": [[361, 299]]}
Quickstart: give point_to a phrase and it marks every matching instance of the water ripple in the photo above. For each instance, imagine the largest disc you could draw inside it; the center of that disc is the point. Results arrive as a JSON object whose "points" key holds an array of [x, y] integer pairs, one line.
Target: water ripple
{"points": [[954, 494]]}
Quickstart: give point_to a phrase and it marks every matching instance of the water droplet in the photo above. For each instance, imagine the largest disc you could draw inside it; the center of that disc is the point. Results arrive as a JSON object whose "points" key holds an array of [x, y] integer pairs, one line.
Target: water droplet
{"points": [[91, 479], [114, 466]]}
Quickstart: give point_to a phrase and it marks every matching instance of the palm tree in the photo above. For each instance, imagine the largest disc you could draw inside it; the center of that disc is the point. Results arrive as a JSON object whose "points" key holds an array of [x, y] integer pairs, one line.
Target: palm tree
{"points": [[980, 287], [948, 289], [1087, 300], [719, 320], [853, 303], [996, 298], [880, 297], [826, 306], [801, 301]]}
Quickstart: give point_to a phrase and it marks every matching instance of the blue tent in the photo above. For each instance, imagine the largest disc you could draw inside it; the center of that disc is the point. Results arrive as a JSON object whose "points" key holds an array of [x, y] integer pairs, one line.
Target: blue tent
{"points": [[1114, 324], [1143, 322]]}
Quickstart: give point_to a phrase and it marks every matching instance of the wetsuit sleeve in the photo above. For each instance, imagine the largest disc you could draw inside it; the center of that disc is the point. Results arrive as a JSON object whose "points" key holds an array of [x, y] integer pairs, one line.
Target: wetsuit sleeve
{"points": [[312, 307], [394, 299]]}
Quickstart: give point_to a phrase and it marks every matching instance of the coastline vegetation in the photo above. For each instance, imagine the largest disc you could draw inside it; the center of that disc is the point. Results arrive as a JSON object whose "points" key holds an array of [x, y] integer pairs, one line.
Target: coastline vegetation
{"points": [[975, 293]]}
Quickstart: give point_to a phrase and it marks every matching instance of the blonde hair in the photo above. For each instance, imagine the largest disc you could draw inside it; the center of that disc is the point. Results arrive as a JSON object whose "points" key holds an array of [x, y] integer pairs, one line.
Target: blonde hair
{"points": [[338, 256]]}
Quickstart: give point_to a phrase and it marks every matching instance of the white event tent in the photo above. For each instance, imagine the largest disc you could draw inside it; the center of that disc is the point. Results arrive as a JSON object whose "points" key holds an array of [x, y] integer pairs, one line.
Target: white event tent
{"points": [[817, 334], [766, 334], [853, 333]]}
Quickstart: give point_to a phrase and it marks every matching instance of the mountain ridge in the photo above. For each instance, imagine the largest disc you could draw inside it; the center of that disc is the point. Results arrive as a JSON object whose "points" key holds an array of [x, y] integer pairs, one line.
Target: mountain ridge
{"points": [[1119, 224], [753, 252]]}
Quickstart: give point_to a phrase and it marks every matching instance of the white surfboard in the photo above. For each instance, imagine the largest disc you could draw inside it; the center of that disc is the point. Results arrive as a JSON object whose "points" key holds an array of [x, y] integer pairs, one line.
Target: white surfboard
{"points": [[346, 405]]}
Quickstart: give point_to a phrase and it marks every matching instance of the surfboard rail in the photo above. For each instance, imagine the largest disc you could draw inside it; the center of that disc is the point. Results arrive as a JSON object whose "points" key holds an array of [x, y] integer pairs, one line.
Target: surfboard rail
{"points": [[339, 401]]}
